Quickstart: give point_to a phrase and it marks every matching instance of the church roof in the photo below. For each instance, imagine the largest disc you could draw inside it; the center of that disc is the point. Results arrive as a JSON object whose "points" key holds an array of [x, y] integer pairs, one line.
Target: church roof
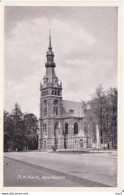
{"points": [[73, 108]]}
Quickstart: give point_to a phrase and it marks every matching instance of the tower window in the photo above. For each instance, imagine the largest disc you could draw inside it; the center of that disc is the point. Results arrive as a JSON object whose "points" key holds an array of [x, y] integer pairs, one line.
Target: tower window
{"points": [[44, 93], [45, 102], [56, 110], [55, 102], [45, 111], [45, 108], [75, 128], [49, 58], [45, 128]]}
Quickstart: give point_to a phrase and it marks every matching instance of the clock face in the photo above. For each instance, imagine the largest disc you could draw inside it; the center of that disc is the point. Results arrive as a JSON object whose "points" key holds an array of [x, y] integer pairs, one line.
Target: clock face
{"points": [[55, 102]]}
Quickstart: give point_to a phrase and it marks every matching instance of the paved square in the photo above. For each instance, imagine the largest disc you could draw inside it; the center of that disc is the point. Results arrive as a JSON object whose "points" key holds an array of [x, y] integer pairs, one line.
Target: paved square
{"points": [[85, 169]]}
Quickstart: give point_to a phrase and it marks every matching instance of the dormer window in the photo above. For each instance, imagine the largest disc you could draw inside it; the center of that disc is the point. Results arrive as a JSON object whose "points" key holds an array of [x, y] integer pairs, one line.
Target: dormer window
{"points": [[71, 111]]}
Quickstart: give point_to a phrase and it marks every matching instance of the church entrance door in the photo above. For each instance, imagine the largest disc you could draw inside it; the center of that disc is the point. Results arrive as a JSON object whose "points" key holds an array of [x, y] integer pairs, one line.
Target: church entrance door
{"points": [[65, 142], [81, 143]]}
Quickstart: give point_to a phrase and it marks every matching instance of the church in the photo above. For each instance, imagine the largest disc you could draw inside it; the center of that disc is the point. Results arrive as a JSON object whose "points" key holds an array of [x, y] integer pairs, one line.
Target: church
{"points": [[61, 121]]}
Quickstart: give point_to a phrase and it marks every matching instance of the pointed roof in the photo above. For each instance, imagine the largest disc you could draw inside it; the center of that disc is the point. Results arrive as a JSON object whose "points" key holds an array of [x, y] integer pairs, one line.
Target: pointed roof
{"points": [[50, 47], [50, 54]]}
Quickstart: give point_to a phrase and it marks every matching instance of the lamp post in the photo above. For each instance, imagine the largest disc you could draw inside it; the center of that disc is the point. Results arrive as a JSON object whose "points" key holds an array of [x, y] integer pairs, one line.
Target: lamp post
{"points": [[97, 137]]}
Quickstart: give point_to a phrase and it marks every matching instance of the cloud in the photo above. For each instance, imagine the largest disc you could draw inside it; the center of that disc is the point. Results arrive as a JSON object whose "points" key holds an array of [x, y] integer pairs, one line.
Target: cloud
{"points": [[26, 94]]}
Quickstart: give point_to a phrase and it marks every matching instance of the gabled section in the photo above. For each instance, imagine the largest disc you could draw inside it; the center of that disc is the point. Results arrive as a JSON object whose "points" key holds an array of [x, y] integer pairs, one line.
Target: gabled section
{"points": [[73, 108]]}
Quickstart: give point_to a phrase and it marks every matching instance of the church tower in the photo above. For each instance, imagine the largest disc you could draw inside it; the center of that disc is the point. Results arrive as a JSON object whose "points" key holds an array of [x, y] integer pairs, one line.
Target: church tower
{"points": [[50, 105]]}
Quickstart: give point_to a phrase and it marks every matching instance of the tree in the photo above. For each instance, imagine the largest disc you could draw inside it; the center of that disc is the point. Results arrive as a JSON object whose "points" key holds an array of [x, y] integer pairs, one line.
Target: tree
{"points": [[30, 131], [20, 131], [112, 116], [17, 118], [8, 132], [98, 105], [101, 110]]}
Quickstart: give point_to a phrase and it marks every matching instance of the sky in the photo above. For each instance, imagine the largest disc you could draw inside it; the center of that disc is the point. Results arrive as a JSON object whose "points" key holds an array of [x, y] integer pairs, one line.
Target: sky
{"points": [[84, 41]]}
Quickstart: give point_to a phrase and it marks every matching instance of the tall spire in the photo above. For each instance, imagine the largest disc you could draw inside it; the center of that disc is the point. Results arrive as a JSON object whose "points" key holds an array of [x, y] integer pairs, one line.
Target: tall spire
{"points": [[50, 39], [50, 54]]}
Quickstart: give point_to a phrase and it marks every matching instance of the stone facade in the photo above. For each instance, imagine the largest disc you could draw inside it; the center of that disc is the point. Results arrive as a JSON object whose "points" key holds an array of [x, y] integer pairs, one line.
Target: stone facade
{"points": [[61, 121]]}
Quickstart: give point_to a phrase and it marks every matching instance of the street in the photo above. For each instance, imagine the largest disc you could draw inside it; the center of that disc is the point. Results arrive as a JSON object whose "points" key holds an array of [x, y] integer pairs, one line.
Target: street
{"points": [[43, 169], [18, 173]]}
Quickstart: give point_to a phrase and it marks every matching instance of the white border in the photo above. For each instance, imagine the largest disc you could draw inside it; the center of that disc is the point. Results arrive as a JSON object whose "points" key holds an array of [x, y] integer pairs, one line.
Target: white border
{"points": [[60, 3]]}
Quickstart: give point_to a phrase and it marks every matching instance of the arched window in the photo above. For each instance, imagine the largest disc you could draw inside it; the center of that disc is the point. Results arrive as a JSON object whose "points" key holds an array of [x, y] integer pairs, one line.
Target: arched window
{"points": [[45, 111], [75, 128], [45, 128], [55, 110], [66, 128], [45, 107], [45, 102], [55, 102], [55, 107], [49, 58]]}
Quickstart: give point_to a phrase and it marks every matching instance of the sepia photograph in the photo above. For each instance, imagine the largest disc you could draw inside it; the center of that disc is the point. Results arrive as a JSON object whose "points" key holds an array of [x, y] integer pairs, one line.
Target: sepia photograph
{"points": [[60, 96]]}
